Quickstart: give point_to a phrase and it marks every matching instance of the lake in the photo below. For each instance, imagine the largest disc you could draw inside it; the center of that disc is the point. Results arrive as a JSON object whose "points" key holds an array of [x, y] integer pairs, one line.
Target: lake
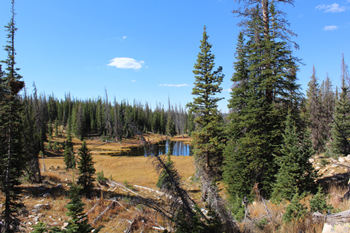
{"points": [[177, 148]]}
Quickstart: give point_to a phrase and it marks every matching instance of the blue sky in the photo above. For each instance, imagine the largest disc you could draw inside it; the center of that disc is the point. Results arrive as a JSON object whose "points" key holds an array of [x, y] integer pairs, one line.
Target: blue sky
{"points": [[145, 50]]}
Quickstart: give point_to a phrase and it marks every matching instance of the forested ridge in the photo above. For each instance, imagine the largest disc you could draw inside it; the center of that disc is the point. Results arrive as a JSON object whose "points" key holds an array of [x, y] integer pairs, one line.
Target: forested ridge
{"points": [[260, 152]]}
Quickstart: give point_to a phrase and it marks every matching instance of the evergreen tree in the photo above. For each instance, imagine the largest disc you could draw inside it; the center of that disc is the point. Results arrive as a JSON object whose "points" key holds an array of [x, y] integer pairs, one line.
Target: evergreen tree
{"points": [[263, 91], [319, 202], [56, 128], [328, 102], [295, 211], [68, 153], [341, 124], [86, 170], [50, 128], [79, 221], [295, 170], [11, 152], [315, 113], [170, 126], [208, 137], [164, 181]]}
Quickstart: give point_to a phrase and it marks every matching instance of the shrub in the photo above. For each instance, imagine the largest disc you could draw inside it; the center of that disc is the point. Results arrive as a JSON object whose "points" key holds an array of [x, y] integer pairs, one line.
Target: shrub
{"points": [[319, 203], [295, 211]]}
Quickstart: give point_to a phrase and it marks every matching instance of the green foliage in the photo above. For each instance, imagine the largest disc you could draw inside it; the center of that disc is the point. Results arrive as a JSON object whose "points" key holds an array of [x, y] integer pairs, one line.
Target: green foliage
{"points": [[40, 227], [263, 91], [78, 220], [50, 128], [100, 176], [319, 202], [261, 224], [56, 128], [324, 162], [86, 170], [238, 210], [341, 124], [68, 153], [12, 156], [129, 186], [295, 170], [295, 211], [170, 126], [208, 137], [164, 181], [210, 225]]}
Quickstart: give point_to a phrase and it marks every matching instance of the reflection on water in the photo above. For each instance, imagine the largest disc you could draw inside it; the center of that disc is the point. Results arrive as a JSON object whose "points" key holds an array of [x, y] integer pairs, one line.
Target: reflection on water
{"points": [[176, 148]]}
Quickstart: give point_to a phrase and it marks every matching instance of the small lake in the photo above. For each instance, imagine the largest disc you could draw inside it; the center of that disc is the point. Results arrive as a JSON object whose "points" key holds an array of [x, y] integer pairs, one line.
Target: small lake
{"points": [[177, 148]]}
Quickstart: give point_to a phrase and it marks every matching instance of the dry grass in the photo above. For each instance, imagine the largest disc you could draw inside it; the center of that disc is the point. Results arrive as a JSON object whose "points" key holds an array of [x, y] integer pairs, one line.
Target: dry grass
{"points": [[136, 170]]}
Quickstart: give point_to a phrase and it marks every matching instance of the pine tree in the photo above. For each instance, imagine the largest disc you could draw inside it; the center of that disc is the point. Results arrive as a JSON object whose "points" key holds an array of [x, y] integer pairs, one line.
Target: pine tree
{"points": [[164, 181], [170, 126], [295, 211], [341, 124], [263, 91], [86, 170], [208, 137], [295, 170], [68, 153], [79, 221], [315, 113], [11, 152]]}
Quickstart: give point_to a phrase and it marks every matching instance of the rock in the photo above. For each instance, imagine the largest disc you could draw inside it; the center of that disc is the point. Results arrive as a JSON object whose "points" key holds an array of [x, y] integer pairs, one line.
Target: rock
{"points": [[311, 160], [46, 195], [341, 159], [39, 207], [339, 228], [337, 223]]}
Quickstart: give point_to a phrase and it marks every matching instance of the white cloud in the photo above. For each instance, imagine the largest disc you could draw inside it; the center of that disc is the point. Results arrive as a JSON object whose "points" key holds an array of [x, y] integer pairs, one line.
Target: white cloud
{"points": [[133, 81], [333, 8], [173, 85], [126, 63], [330, 28], [124, 37]]}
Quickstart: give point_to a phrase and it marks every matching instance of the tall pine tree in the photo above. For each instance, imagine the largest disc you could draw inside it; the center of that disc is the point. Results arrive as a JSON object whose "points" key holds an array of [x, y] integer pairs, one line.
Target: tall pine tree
{"points": [[11, 152], [315, 113], [263, 91], [341, 124], [86, 170], [208, 137]]}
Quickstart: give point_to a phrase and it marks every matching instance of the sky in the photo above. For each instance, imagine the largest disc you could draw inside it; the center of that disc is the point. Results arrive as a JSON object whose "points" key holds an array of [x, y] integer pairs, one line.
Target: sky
{"points": [[145, 50]]}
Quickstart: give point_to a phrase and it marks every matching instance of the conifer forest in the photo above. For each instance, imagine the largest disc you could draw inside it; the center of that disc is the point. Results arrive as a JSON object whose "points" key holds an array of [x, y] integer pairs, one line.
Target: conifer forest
{"points": [[278, 161]]}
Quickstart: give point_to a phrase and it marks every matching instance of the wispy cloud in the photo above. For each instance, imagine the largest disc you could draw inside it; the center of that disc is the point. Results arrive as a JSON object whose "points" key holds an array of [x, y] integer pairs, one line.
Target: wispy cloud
{"points": [[118, 38], [333, 8], [133, 81], [126, 63], [330, 28], [173, 85]]}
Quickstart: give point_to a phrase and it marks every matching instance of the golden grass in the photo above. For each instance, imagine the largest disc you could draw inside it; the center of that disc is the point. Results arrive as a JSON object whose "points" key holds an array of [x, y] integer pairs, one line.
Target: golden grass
{"points": [[136, 170]]}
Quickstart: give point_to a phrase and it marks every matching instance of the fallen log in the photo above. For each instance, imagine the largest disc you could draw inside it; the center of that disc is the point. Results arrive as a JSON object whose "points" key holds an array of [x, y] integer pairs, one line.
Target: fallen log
{"points": [[100, 216], [93, 207]]}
